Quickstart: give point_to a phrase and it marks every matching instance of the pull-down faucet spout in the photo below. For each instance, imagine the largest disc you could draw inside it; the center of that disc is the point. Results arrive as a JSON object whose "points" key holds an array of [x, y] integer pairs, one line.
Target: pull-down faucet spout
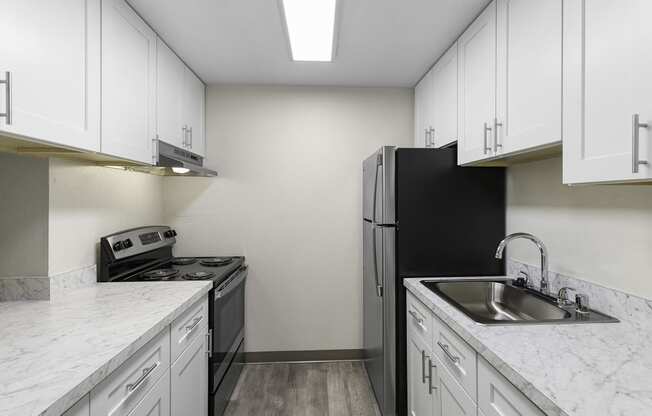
{"points": [[544, 288]]}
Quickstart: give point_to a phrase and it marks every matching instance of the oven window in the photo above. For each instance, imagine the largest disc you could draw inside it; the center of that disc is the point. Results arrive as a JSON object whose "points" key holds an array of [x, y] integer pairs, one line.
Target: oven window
{"points": [[228, 330]]}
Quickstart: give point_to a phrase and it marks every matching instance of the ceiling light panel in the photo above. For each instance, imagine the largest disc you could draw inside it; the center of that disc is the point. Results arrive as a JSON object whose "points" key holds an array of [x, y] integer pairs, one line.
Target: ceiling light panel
{"points": [[311, 28]]}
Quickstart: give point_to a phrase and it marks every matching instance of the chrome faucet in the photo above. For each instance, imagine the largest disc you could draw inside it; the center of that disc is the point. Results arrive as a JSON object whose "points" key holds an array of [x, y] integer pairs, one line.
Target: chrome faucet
{"points": [[544, 288]]}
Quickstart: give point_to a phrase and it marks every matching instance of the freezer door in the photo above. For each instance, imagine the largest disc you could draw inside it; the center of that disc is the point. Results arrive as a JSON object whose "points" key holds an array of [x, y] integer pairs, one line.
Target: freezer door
{"points": [[378, 186], [373, 309]]}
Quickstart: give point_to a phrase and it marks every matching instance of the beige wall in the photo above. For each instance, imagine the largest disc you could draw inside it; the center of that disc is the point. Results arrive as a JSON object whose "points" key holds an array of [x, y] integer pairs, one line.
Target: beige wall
{"points": [[288, 197], [23, 216], [598, 233], [87, 202]]}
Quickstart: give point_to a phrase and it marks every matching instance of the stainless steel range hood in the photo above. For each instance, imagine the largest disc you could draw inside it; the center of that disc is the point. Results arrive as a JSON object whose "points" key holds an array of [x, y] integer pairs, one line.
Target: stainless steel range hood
{"points": [[174, 161]]}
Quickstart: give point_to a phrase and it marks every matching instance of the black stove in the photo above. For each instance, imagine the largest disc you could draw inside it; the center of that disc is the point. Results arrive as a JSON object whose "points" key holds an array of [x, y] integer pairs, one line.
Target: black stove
{"points": [[145, 254]]}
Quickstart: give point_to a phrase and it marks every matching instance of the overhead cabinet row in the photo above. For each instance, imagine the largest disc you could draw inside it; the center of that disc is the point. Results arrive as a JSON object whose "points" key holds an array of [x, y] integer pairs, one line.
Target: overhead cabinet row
{"points": [[522, 69], [91, 75]]}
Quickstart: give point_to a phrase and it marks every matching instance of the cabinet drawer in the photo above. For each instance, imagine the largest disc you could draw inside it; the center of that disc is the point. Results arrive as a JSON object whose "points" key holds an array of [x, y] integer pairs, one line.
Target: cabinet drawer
{"points": [[157, 401], [453, 399], [187, 327], [419, 318], [123, 389], [457, 356], [498, 397], [189, 379]]}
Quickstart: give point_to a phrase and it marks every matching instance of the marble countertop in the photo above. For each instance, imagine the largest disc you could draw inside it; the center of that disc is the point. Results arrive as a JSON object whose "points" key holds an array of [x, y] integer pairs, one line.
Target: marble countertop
{"points": [[566, 370], [54, 352]]}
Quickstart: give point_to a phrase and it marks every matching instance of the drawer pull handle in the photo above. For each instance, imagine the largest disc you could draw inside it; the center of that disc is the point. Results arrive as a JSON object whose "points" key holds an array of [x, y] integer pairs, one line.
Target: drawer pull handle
{"points": [[190, 328], [423, 366], [448, 353], [131, 387], [419, 321], [7, 83]]}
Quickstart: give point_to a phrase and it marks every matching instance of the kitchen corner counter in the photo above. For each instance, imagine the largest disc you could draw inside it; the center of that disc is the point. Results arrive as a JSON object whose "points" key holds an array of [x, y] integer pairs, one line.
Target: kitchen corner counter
{"points": [[52, 353], [566, 370]]}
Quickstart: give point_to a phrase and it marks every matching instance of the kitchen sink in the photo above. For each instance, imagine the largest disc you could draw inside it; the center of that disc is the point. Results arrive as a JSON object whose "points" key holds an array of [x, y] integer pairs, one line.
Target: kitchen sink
{"points": [[501, 303]]}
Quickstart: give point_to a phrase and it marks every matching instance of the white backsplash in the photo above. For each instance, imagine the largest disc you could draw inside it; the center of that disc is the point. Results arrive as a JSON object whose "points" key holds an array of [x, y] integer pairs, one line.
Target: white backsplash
{"points": [[46, 287]]}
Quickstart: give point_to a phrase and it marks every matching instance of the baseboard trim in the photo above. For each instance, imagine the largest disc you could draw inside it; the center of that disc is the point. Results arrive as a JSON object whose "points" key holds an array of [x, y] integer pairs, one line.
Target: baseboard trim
{"points": [[302, 356]]}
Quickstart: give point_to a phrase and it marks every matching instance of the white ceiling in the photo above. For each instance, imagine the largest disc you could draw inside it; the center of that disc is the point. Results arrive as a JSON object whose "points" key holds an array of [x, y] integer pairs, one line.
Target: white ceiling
{"points": [[380, 42]]}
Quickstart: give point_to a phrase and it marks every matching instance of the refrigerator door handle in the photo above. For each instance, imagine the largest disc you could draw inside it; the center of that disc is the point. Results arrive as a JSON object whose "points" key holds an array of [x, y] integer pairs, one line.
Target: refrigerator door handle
{"points": [[379, 162], [379, 287]]}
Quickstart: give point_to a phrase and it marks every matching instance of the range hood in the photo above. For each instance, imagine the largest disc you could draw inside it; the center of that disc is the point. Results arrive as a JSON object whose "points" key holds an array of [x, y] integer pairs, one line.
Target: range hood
{"points": [[174, 161]]}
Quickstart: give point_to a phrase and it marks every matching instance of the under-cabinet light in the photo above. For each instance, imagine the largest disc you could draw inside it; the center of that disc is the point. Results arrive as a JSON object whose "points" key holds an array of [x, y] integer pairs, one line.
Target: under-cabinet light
{"points": [[311, 28], [180, 170]]}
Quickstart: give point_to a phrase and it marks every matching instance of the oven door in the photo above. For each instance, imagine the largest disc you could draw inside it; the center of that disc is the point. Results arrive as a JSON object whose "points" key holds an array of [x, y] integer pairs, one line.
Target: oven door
{"points": [[227, 320]]}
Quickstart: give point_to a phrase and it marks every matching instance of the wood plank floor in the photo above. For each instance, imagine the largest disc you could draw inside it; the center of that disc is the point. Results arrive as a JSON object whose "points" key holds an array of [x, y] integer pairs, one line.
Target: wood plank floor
{"points": [[339, 388]]}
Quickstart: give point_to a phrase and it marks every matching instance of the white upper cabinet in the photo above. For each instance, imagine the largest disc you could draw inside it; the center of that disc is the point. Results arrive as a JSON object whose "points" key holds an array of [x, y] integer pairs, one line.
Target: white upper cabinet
{"points": [[423, 112], [169, 94], [193, 112], [444, 98], [529, 69], [477, 87], [607, 84], [128, 83], [52, 51]]}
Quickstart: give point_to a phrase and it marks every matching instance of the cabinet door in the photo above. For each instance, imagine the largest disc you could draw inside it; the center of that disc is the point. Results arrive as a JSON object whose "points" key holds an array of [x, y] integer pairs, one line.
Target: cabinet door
{"points": [[169, 87], [422, 112], [607, 82], [128, 83], [420, 398], [189, 379], [498, 397], [528, 89], [157, 401], [81, 408], [444, 98], [453, 400], [477, 87], [195, 93], [52, 51]]}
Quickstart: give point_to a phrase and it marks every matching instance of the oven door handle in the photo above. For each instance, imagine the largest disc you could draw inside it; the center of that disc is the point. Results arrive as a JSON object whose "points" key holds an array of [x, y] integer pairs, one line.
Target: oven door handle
{"points": [[232, 283]]}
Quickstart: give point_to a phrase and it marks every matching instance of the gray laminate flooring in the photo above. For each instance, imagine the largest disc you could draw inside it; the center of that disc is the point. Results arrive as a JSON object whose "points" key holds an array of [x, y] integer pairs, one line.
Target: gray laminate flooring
{"points": [[338, 388]]}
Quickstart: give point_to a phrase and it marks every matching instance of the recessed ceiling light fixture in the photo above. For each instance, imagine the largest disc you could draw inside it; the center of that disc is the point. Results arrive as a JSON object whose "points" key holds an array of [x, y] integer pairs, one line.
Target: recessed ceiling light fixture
{"points": [[311, 28]]}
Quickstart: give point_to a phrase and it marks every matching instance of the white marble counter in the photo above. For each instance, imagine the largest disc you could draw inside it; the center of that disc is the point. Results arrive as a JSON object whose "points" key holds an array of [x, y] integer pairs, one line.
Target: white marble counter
{"points": [[54, 352], [570, 370]]}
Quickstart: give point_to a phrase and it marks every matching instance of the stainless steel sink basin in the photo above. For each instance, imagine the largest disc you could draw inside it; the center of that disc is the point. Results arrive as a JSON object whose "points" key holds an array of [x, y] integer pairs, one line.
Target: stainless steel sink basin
{"points": [[499, 303]]}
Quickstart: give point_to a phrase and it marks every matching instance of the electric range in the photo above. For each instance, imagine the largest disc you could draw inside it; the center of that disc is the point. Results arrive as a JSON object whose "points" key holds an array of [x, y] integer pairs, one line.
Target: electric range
{"points": [[146, 254]]}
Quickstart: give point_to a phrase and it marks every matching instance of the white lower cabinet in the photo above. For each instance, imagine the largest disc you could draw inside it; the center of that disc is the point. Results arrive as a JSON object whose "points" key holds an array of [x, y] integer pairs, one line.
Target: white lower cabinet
{"points": [[498, 397], [157, 401], [189, 379], [454, 401], [452, 380], [81, 408]]}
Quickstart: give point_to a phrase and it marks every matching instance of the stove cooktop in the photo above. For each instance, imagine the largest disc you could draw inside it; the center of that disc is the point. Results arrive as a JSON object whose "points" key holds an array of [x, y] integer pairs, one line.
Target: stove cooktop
{"points": [[191, 268]]}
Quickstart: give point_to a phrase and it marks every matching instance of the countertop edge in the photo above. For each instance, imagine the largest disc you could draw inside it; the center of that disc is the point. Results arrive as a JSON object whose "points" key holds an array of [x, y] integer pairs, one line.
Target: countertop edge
{"points": [[61, 405], [547, 405]]}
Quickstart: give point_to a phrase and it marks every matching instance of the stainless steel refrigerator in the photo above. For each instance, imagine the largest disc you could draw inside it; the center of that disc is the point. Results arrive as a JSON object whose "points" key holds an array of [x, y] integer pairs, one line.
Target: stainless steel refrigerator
{"points": [[423, 216]]}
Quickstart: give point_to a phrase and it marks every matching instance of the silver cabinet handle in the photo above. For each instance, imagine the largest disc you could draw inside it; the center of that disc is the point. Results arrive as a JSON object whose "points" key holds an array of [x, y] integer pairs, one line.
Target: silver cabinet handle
{"points": [[487, 148], [431, 387], [423, 366], [496, 144], [190, 142], [636, 126], [418, 320], [209, 342], [7, 82], [426, 136], [448, 353], [432, 137], [184, 129], [190, 328], [131, 387]]}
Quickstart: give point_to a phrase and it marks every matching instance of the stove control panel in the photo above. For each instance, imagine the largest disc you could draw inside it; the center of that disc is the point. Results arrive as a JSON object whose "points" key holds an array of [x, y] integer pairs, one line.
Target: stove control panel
{"points": [[137, 241]]}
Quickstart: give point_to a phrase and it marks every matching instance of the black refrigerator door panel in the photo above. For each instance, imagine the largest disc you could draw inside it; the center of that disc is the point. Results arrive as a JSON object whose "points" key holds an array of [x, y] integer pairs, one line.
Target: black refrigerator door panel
{"points": [[450, 219]]}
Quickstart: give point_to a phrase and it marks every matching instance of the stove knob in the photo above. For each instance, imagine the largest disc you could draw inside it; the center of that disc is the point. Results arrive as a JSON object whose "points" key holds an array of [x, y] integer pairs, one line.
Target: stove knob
{"points": [[118, 246], [127, 243], [174, 233], [167, 234]]}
